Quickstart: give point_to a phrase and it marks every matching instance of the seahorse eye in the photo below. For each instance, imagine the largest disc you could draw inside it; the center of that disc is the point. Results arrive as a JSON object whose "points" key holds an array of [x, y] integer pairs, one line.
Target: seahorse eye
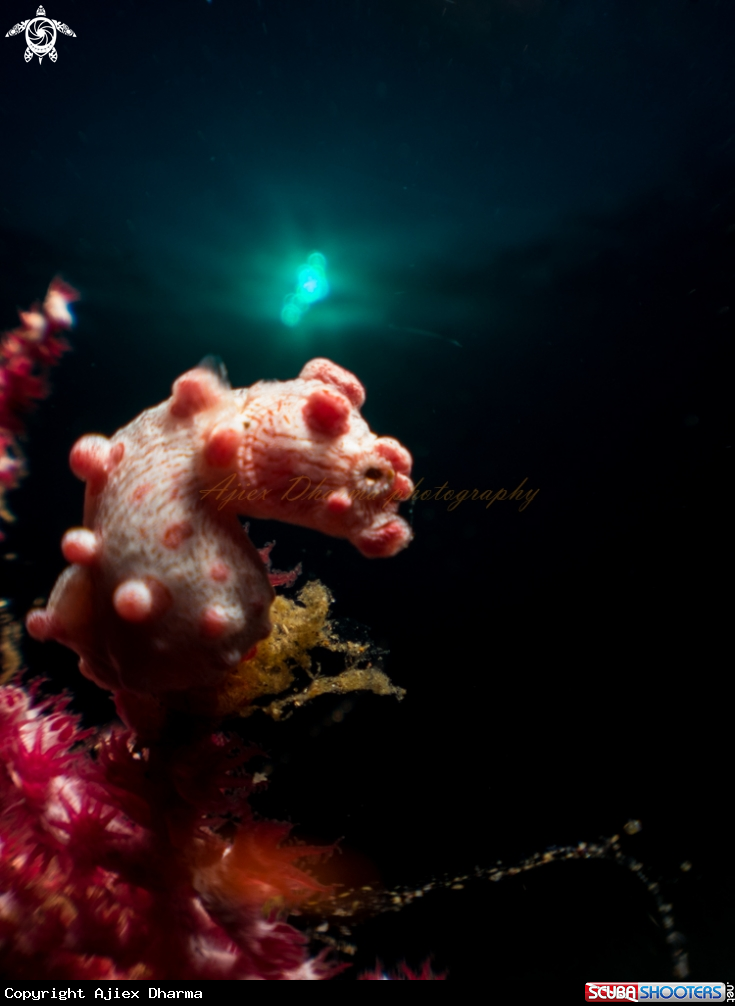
{"points": [[373, 474]]}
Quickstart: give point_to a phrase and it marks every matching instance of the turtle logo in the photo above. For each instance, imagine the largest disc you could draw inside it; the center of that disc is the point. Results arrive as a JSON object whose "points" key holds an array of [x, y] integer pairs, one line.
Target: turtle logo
{"points": [[40, 35]]}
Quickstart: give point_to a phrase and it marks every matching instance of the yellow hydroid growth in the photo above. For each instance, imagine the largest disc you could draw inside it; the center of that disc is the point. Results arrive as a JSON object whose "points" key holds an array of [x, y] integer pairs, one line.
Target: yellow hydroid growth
{"points": [[283, 666]]}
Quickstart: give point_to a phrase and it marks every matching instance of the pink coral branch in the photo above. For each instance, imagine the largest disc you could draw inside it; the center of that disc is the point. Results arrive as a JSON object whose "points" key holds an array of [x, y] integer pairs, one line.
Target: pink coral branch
{"points": [[278, 577], [26, 355]]}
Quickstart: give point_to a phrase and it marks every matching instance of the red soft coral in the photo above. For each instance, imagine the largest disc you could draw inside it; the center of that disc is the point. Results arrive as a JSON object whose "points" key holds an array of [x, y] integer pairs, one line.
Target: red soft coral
{"points": [[26, 354], [112, 866]]}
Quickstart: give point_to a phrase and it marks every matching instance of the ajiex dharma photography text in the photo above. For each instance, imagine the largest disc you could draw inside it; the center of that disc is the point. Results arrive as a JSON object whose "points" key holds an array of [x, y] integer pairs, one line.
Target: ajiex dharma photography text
{"points": [[300, 488], [489, 496]]}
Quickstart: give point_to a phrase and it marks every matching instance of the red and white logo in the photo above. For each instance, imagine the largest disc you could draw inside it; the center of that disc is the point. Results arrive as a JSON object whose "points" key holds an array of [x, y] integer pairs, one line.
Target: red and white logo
{"points": [[607, 991], [655, 992]]}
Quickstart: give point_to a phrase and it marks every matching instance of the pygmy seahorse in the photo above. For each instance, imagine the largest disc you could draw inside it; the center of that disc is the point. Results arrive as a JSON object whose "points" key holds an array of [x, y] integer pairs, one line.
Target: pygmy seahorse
{"points": [[165, 590]]}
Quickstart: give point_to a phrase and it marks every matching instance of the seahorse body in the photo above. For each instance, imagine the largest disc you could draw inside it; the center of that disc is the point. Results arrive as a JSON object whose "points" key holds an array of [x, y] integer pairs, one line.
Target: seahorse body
{"points": [[165, 591]]}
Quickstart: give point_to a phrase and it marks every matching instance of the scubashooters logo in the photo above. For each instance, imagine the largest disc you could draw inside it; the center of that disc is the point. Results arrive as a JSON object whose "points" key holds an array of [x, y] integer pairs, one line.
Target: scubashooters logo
{"points": [[40, 35], [655, 992]]}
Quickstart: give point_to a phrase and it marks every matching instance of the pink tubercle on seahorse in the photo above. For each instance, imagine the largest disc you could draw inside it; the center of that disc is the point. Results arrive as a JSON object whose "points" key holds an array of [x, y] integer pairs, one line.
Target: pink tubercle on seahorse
{"points": [[165, 591]]}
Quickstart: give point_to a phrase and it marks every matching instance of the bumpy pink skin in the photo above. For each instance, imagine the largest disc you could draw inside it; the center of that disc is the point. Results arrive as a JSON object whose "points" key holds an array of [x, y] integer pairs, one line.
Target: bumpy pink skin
{"points": [[166, 591], [309, 458]]}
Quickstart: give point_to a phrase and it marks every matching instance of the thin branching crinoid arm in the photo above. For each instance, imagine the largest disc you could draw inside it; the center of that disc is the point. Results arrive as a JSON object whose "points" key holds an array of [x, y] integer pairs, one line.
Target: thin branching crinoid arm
{"points": [[339, 910]]}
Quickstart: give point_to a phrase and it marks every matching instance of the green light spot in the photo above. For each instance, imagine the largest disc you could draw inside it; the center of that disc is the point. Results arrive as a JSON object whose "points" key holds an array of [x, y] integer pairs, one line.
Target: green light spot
{"points": [[311, 286]]}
